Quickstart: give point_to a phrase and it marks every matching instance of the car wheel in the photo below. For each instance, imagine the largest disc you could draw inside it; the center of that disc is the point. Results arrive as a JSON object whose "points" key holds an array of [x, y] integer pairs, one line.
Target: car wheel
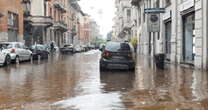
{"points": [[17, 60], [7, 60]]}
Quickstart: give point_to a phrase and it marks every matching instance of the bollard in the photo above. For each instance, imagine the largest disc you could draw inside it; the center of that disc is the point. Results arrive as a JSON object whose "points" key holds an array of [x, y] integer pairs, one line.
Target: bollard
{"points": [[39, 57], [31, 59]]}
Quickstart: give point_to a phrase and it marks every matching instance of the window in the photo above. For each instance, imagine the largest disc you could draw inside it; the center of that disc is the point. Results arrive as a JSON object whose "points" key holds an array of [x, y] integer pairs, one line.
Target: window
{"points": [[157, 4], [117, 47], [167, 3], [129, 13], [12, 20], [17, 46]]}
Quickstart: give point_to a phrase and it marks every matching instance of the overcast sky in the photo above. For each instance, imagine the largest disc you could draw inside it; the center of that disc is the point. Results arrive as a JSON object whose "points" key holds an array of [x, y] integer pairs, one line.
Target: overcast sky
{"points": [[102, 11]]}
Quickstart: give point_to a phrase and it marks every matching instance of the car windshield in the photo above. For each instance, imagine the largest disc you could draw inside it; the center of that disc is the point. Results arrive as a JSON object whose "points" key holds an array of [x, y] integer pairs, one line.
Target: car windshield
{"points": [[38, 47], [117, 47], [10, 46], [68, 46]]}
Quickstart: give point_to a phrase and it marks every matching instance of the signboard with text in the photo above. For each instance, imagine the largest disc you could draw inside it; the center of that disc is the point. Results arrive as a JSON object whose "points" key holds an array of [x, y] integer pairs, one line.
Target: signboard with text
{"points": [[153, 22], [154, 18], [154, 10]]}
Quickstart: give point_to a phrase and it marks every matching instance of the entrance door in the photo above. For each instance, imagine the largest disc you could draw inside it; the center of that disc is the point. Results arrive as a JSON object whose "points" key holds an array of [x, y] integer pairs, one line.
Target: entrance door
{"points": [[168, 39], [188, 42]]}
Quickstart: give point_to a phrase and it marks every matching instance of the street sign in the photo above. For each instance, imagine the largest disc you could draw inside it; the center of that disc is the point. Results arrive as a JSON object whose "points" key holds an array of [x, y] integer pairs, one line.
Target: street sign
{"points": [[154, 22], [154, 10]]}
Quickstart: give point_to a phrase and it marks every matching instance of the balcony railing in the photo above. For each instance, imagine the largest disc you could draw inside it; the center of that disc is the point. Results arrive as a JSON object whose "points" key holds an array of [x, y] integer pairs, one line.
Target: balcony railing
{"points": [[41, 21], [60, 6], [60, 25]]}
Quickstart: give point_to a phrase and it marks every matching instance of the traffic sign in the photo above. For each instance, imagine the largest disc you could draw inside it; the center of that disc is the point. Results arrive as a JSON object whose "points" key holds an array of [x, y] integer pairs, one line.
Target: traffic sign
{"points": [[154, 10], [153, 23]]}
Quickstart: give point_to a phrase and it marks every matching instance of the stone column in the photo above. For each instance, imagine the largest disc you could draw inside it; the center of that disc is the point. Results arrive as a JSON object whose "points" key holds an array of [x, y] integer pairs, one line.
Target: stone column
{"points": [[205, 33], [198, 34]]}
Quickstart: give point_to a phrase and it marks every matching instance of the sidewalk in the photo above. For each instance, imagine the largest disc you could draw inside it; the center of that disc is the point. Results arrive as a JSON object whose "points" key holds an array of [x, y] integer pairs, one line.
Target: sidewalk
{"points": [[174, 88]]}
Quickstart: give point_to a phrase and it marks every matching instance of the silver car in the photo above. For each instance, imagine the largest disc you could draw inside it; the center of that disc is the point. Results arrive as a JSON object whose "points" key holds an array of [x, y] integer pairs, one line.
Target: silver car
{"points": [[5, 58], [18, 51]]}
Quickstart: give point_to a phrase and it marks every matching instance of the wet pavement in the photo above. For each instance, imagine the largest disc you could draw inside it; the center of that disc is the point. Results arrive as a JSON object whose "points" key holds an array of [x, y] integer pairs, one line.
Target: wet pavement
{"points": [[74, 82]]}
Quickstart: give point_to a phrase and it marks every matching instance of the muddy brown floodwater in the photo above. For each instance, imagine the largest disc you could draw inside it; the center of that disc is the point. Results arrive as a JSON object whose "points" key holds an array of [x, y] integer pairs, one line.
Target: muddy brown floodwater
{"points": [[74, 82]]}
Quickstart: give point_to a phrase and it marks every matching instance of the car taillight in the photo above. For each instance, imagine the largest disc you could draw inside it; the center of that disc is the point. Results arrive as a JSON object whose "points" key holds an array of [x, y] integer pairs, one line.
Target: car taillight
{"points": [[13, 51], [106, 54], [130, 55]]}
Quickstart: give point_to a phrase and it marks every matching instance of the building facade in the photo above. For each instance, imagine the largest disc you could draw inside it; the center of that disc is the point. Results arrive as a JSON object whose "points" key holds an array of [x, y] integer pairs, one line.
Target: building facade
{"points": [[123, 20], [183, 31], [58, 10], [11, 20], [94, 33]]}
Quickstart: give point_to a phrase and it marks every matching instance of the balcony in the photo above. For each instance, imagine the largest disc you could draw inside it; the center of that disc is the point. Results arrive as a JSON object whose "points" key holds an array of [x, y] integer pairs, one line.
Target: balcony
{"points": [[44, 21], [60, 25], [60, 6]]}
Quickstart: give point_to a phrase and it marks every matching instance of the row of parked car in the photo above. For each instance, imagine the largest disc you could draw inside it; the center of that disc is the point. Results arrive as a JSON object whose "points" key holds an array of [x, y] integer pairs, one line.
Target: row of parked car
{"points": [[17, 52], [70, 48]]}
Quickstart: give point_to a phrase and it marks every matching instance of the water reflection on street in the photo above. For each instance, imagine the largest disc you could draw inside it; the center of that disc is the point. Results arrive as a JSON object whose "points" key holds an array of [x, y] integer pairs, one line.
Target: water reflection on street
{"points": [[74, 82]]}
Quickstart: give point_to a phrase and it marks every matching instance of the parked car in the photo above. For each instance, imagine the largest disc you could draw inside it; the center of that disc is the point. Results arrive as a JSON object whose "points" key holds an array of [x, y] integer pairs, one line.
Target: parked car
{"points": [[5, 58], [67, 48], [18, 51], [39, 50], [118, 55], [79, 49], [86, 48]]}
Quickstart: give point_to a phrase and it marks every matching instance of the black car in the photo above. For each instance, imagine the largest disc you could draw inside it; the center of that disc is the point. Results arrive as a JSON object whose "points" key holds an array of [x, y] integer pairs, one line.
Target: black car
{"points": [[39, 51], [117, 55], [67, 49]]}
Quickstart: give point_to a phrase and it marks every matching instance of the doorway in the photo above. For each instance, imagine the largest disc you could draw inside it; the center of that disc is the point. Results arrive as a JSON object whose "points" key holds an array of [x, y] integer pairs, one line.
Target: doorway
{"points": [[168, 33], [188, 38]]}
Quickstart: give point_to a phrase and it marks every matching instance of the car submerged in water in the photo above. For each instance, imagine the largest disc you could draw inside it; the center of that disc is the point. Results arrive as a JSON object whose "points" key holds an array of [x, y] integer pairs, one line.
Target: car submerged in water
{"points": [[39, 50], [117, 55], [67, 48]]}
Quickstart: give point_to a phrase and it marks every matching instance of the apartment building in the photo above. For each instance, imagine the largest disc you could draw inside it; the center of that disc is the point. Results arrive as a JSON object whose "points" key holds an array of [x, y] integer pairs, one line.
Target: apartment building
{"points": [[11, 20], [94, 33], [123, 20], [183, 31], [57, 10]]}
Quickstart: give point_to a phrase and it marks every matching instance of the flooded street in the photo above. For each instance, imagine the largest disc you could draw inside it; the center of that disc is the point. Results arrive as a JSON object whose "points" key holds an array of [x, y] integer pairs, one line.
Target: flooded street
{"points": [[74, 82]]}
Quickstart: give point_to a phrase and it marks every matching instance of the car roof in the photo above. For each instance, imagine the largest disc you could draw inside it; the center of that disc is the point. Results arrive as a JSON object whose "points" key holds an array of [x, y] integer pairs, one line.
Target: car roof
{"points": [[10, 42], [38, 45]]}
